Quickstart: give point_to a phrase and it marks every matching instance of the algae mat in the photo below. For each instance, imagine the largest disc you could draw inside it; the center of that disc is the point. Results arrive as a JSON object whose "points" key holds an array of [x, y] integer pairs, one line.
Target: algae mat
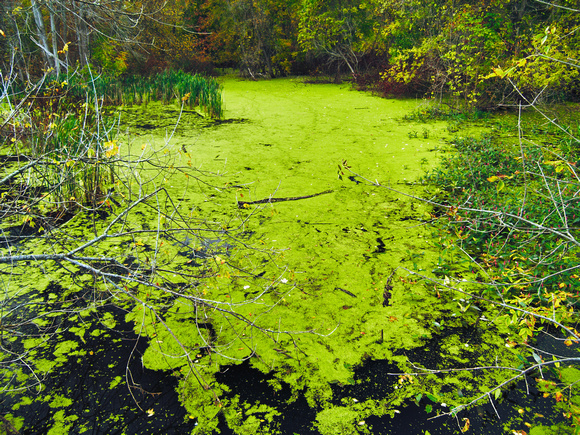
{"points": [[324, 310], [338, 252]]}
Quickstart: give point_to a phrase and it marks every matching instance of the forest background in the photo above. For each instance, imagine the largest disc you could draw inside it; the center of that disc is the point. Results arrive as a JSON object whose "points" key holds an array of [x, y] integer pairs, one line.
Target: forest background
{"points": [[395, 47]]}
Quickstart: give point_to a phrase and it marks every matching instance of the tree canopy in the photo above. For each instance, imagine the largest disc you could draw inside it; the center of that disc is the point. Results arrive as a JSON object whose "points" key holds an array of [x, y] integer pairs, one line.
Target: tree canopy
{"points": [[412, 47]]}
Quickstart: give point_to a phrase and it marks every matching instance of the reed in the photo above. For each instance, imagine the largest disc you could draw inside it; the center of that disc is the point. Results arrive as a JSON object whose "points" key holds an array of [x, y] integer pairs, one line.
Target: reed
{"points": [[78, 153], [167, 86], [70, 139]]}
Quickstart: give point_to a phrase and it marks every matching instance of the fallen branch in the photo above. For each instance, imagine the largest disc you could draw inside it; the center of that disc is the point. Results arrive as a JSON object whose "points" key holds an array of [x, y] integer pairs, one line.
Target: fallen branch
{"points": [[246, 204]]}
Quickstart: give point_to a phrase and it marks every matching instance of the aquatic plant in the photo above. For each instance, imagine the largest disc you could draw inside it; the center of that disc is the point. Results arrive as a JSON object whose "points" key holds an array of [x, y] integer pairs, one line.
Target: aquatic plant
{"points": [[507, 222], [71, 142], [167, 86]]}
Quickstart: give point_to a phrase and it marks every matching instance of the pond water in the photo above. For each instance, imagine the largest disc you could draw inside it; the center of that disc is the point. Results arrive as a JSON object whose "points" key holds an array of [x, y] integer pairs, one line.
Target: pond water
{"points": [[345, 315]]}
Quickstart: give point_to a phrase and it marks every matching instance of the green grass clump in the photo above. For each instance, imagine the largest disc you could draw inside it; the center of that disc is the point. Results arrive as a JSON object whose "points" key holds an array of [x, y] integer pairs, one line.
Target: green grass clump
{"points": [[66, 142], [167, 86]]}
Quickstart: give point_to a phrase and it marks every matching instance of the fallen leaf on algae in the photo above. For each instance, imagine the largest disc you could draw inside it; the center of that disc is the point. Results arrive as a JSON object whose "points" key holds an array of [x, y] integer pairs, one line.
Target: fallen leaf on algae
{"points": [[466, 427]]}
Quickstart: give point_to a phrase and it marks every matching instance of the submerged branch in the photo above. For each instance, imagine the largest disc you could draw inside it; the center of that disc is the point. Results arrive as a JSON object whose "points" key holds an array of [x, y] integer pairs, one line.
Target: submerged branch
{"points": [[245, 204]]}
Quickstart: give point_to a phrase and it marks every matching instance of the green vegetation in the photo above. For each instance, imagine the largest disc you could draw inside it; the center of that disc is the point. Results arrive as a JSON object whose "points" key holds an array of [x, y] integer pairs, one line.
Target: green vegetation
{"points": [[167, 86], [460, 50], [508, 213]]}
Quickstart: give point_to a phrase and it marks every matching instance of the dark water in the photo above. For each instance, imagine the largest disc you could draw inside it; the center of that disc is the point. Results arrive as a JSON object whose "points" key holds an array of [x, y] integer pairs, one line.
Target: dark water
{"points": [[98, 408]]}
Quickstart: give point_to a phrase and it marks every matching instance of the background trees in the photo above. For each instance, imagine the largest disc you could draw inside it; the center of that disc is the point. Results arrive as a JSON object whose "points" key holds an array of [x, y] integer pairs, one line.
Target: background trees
{"points": [[440, 47], [457, 43], [68, 32], [340, 32]]}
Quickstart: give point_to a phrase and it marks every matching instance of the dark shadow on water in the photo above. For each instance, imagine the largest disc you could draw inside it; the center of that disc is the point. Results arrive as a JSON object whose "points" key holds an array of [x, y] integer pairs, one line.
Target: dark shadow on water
{"points": [[252, 387], [98, 408]]}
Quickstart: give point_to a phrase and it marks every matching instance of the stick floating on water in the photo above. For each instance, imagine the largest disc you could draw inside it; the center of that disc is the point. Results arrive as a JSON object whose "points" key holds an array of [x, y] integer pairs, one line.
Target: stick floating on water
{"points": [[246, 204]]}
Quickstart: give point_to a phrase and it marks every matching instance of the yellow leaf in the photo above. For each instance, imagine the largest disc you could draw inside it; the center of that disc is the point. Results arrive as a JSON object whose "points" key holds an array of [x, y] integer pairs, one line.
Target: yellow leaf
{"points": [[64, 49], [562, 285], [2, 33], [493, 179], [500, 186], [466, 427], [499, 72], [150, 412]]}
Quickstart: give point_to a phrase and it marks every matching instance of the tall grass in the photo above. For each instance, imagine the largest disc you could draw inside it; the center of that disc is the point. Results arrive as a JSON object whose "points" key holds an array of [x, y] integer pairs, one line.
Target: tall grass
{"points": [[71, 141], [68, 133], [78, 153], [200, 91]]}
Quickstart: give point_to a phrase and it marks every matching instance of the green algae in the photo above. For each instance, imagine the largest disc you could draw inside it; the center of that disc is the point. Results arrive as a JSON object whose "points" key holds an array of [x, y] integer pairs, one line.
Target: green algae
{"points": [[338, 419], [340, 249], [62, 423], [60, 402], [326, 258]]}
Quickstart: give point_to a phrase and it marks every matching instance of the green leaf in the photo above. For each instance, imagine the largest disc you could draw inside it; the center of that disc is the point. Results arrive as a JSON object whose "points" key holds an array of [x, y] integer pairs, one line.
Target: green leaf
{"points": [[497, 394], [431, 397], [500, 186], [429, 408]]}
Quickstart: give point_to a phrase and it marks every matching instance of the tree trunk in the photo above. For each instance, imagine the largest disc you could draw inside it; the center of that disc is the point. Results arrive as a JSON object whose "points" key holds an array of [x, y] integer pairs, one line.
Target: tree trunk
{"points": [[41, 33], [54, 32], [82, 35]]}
